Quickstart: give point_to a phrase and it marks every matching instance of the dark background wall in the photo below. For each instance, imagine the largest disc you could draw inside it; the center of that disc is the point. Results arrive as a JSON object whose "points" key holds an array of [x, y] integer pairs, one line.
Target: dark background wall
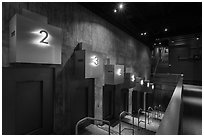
{"points": [[187, 59], [78, 25]]}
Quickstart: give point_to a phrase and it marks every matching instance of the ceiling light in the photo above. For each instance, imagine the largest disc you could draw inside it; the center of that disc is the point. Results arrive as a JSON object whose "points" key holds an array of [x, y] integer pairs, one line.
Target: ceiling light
{"points": [[145, 33], [141, 33], [197, 38], [121, 6], [159, 43], [165, 29], [115, 10]]}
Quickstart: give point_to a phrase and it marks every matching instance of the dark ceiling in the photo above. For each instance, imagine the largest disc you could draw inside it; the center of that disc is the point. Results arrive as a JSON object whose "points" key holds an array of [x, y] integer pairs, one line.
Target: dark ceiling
{"points": [[180, 18]]}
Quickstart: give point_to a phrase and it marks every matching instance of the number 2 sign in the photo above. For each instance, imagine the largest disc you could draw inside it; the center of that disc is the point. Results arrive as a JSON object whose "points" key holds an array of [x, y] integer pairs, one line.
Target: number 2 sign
{"points": [[34, 41], [45, 37]]}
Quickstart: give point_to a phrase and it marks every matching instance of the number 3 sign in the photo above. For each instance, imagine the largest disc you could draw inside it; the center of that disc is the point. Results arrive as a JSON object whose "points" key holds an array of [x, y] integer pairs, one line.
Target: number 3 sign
{"points": [[33, 41]]}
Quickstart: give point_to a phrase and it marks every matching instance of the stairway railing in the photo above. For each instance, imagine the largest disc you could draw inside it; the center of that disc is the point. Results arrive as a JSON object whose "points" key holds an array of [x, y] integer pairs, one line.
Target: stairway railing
{"points": [[155, 69]]}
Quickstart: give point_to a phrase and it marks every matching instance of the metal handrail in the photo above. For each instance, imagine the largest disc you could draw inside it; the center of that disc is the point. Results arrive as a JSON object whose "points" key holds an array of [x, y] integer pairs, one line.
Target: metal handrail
{"points": [[155, 69], [160, 110], [139, 117], [156, 114], [92, 119], [150, 108], [124, 113], [149, 111]]}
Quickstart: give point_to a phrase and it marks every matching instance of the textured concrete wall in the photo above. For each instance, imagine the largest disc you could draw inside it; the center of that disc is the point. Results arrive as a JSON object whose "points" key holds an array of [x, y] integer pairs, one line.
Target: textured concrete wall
{"points": [[78, 25]]}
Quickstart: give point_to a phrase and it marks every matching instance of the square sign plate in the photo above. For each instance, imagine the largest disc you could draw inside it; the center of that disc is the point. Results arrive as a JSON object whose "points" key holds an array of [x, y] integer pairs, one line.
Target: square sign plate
{"points": [[114, 74], [88, 64], [34, 42], [130, 80]]}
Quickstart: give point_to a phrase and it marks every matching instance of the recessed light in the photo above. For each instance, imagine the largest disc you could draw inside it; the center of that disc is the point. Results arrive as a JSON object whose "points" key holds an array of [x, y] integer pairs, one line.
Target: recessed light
{"points": [[115, 10], [165, 29], [141, 34], [121, 6], [197, 38], [145, 33]]}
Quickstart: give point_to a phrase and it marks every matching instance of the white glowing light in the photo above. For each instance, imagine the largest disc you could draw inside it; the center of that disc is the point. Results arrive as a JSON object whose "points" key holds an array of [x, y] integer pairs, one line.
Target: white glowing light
{"points": [[142, 82], [115, 10], [165, 29], [94, 61], [152, 86], [145, 33], [42, 39], [121, 6], [119, 71], [148, 84], [133, 78], [141, 33]]}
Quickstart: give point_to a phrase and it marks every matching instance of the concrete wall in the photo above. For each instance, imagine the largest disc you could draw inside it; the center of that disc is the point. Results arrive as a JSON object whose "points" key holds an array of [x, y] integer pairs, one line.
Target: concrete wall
{"points": [[78, 25]]}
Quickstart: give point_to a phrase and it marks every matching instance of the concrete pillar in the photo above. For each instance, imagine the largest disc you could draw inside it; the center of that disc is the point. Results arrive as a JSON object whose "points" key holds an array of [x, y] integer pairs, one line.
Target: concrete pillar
{"points": [[98, 88], [144, 107], [130, 100]]}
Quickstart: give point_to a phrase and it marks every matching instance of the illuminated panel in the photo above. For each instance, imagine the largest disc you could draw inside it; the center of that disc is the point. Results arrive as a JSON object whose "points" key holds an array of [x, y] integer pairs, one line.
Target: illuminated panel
{"points": [[34, 42], [130, 80], [88, 64], [119, 74], [93, 64], [138, 85], [141, 82], [147, 86], [114, 74]]}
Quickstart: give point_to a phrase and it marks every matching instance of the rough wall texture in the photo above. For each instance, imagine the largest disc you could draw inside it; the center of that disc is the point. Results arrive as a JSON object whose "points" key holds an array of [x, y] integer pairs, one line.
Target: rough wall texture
{"points": [[78, 25]]}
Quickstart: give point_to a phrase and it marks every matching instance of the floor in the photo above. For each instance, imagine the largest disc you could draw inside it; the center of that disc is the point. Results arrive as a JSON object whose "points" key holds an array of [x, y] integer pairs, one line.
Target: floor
{"points": [[126, 127]]}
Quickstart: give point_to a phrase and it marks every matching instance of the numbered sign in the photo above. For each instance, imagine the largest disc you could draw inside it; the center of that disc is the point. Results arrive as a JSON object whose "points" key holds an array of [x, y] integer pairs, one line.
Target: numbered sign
{"points": [[34, 42], [88, 64], [114, 74], [147, 86], [139, 84], [130, 80]]}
